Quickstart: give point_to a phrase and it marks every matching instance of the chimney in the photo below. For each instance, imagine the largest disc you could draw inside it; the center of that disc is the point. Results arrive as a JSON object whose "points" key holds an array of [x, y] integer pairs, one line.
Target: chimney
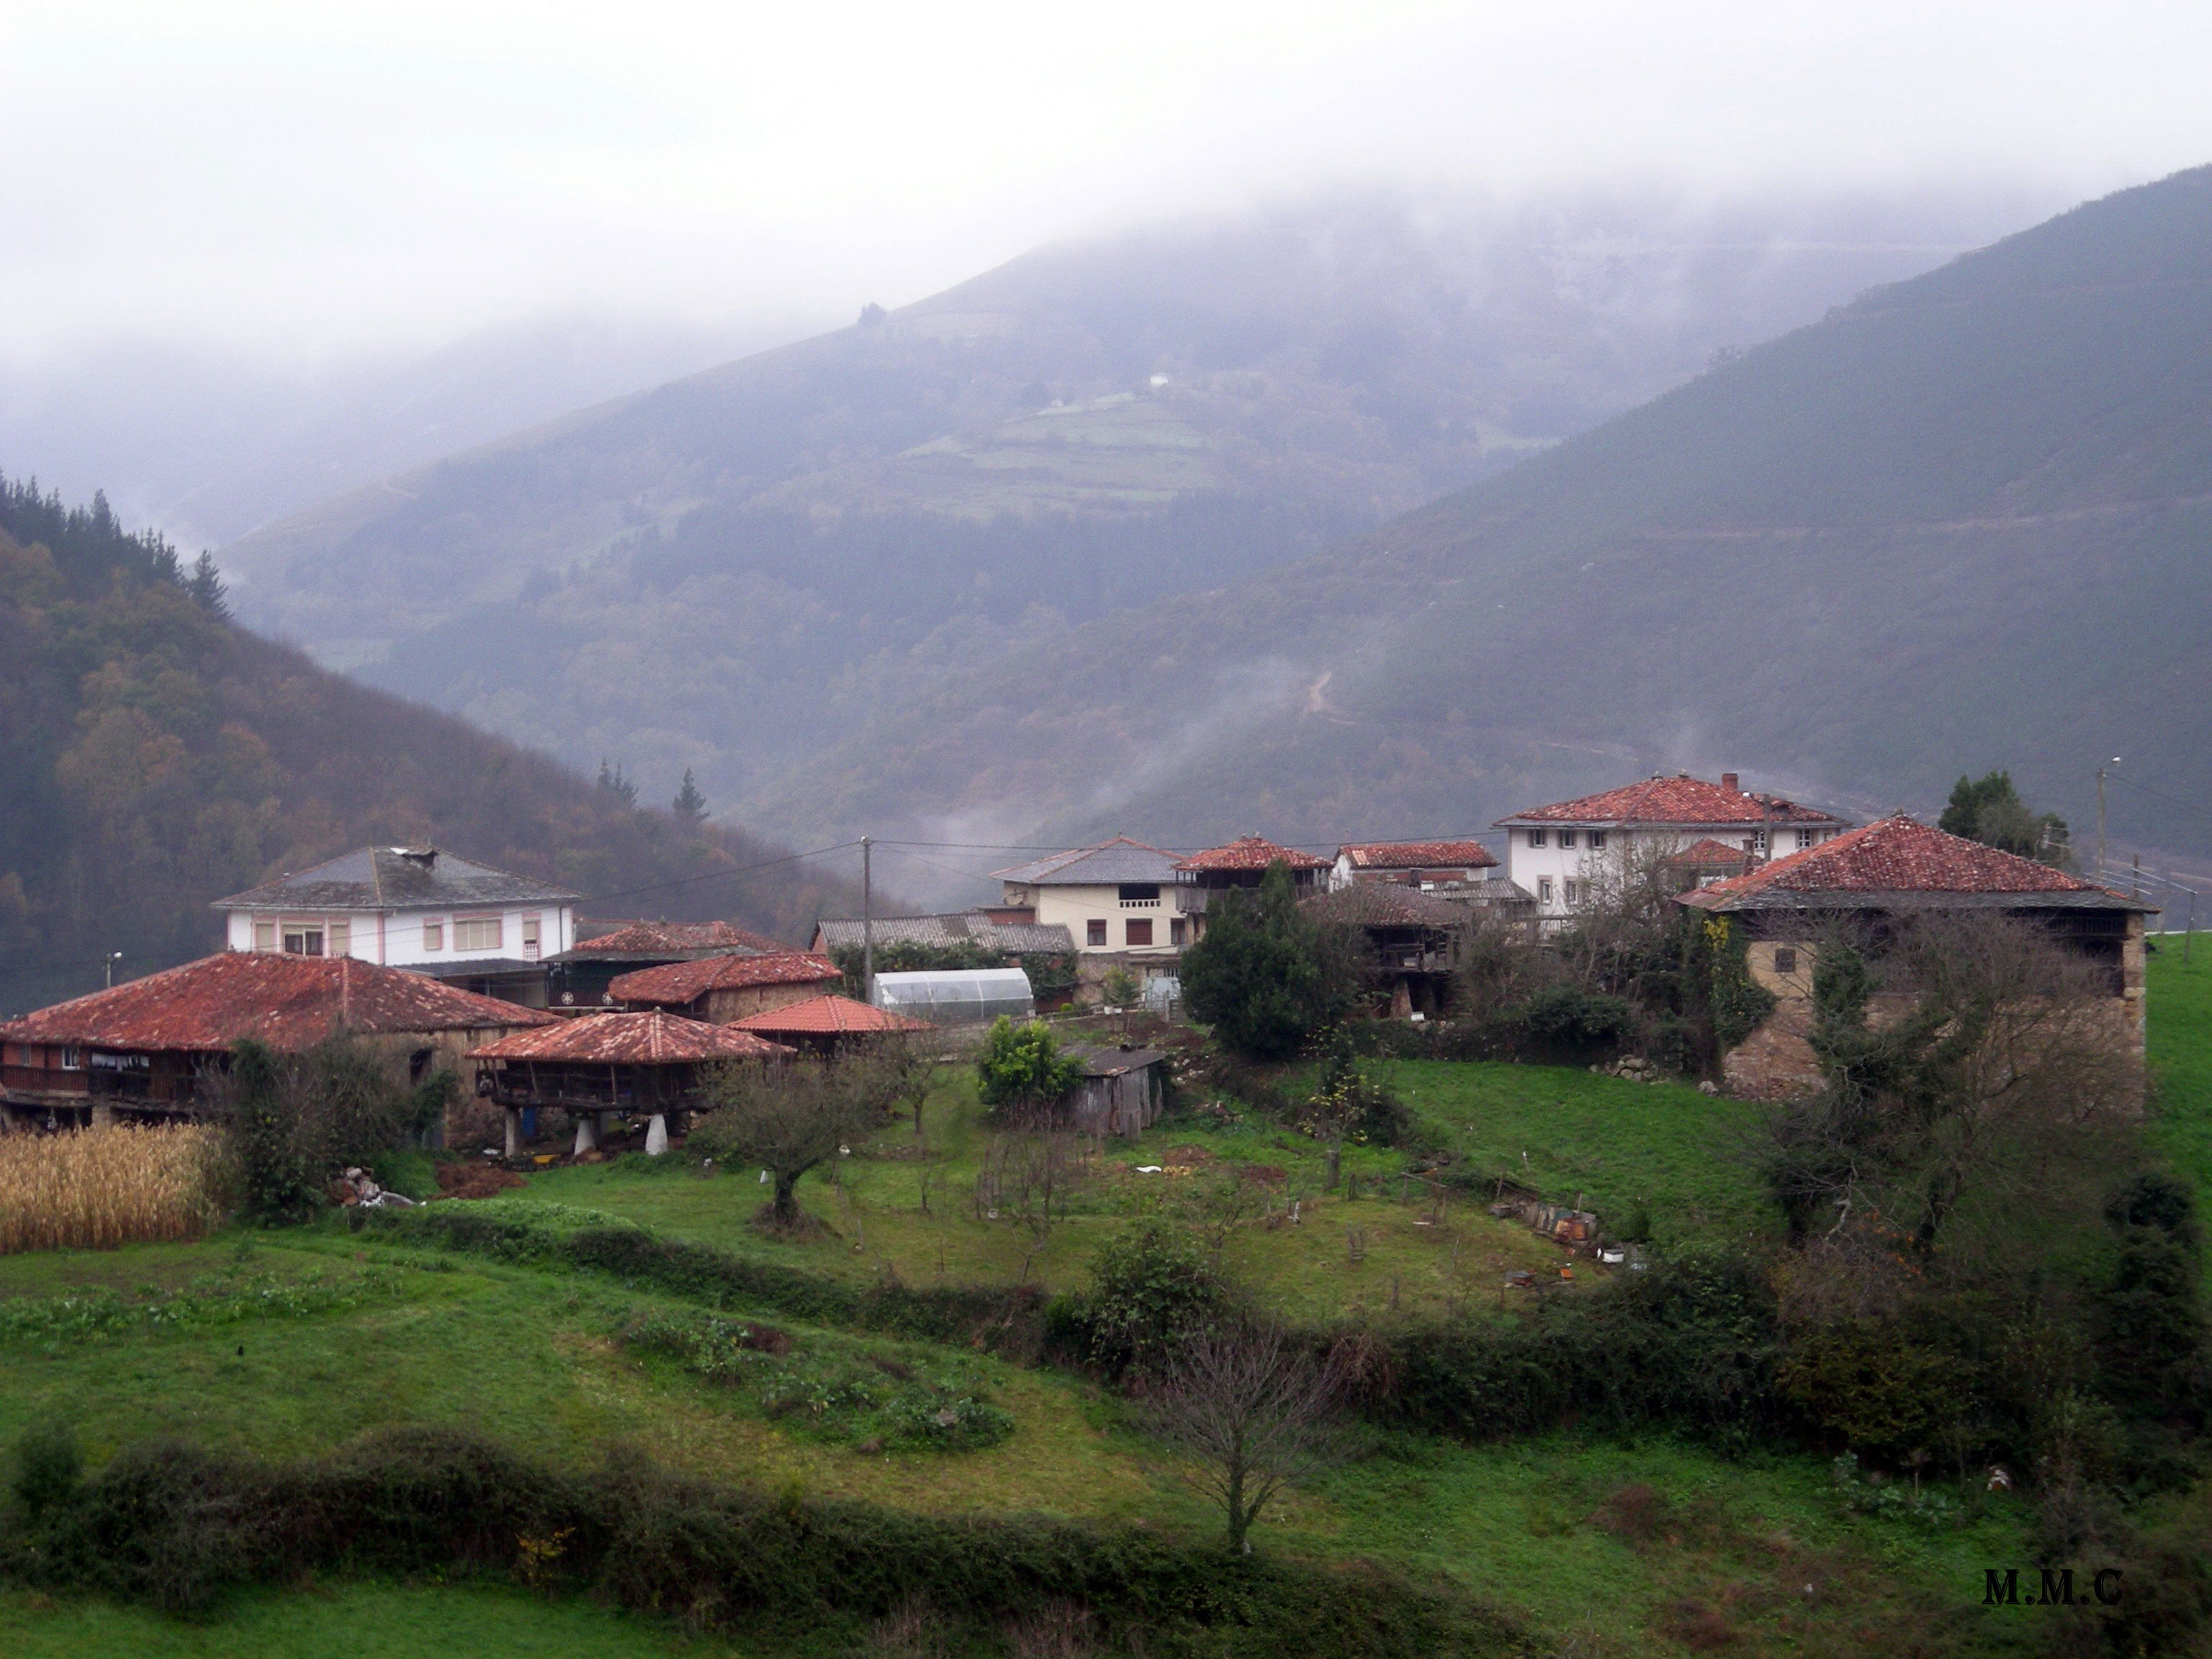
{"points": [[1728, 783]]}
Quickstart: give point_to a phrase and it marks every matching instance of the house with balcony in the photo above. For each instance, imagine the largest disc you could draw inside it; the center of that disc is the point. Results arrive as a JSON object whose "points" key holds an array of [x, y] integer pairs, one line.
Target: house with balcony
{"points": [[416, 908], [1120, 898], [1428, 865], [1567, 853]]}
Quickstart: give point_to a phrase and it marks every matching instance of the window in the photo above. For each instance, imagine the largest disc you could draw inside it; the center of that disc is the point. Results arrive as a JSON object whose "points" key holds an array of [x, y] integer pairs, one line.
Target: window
{"points": [[1535, 838], [1570, 891], [433, 935], [72, 1061], [1597, 841], [475, 932], [1140, 895], [1178, 932], [1785, 960], [1543, 890], [341, 937], [1138, 933], [1094, 931], [1566, 838], [265, 935], [530, 937], [303, 938], [1807, 838]]}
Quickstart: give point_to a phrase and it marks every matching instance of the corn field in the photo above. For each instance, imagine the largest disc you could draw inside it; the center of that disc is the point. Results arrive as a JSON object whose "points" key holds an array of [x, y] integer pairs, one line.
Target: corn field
{"points": [[93, 1188]]}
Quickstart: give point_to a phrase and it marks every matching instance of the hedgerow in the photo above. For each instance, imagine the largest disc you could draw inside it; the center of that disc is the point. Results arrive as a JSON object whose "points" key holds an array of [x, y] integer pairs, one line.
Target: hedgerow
{"points": [[182, 1528]]}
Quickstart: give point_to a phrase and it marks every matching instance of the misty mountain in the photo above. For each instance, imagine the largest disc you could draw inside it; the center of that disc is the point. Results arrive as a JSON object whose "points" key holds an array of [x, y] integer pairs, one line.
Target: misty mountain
{"points": [[154, 757], [1964, 522], [733, 571], [205, 444]]}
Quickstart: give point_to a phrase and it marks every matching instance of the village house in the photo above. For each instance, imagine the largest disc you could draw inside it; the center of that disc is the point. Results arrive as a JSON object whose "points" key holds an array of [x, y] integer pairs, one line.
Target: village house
{"points": [[650, 1065], [1413, 940], [148, 1047], [1240, 864], [1892, 868], [1119, 898], [1429, 863], [580, 976], [415, 907], [1011, 931], [721, 989], [1563, 853]]}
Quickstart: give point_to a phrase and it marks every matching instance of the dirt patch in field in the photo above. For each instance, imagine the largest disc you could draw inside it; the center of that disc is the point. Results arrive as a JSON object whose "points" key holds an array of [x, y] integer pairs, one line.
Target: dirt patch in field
{"points": [[475, 1181]]}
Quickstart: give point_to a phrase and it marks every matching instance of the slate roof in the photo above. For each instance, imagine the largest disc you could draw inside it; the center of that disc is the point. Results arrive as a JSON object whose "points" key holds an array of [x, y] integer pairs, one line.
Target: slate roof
{"points": [[1108, 864], [1417, 855], [653, 1038], [396, 879], [828, 1016], [1113, 1063], [969, 927], [289, 1002], [1386, 904], [669, 941], [676, 983], [1900, 861], [1250, 853], [1679, 799]]}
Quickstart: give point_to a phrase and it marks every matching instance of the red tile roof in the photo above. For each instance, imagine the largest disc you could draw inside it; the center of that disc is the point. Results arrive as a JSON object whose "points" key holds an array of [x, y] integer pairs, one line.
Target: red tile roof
{"points": [[1250, 853], [679, 982], [289, 1002], [1418, 855], [642, 938], [652, 1038], [828, 1016], [1388, 904], [1710, 851], [1681, 799], [1897, 855]]}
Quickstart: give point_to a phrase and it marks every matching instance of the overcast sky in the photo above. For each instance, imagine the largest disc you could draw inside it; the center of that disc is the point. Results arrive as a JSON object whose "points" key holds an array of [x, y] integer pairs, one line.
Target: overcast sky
{"points": [[311, 179]]}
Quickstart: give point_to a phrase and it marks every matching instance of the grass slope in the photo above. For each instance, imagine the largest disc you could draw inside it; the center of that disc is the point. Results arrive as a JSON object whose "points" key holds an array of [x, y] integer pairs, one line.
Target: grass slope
{"points": [[2181, 1061]]}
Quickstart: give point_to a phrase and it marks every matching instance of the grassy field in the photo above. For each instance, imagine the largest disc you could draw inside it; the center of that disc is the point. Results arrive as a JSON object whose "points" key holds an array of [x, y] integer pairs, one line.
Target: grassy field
{"points": [[2181, 1060], [293, 1343]]}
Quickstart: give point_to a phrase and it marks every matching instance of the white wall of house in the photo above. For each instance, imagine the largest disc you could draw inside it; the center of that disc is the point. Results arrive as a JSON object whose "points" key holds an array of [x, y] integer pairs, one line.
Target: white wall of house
{"points": [[1097, 918], [410, 938], [1557, 863]]}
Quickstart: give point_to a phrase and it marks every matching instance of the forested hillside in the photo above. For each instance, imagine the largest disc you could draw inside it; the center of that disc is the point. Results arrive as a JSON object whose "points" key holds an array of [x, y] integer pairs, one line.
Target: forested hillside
{"points": [[1964, 522], [155, 756], [736, 569]]}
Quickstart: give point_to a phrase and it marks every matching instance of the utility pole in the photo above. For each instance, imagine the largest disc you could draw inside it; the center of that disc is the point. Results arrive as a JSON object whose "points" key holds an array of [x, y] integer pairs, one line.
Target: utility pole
{"points": [[2100, 818], [867, 921]]}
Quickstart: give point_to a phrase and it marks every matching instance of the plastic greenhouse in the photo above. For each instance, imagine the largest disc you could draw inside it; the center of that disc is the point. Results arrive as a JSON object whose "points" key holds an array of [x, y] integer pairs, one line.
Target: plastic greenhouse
{"points": [[958, 996]]}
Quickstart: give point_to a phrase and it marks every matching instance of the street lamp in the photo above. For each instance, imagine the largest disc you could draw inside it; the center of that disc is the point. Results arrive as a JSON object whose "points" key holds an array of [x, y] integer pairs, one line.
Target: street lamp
{"points": [[108, 966]]}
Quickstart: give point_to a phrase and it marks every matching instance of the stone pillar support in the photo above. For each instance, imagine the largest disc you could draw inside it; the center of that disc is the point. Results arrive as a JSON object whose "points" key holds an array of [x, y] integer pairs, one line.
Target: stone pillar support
{"points": [[656, 1135]]}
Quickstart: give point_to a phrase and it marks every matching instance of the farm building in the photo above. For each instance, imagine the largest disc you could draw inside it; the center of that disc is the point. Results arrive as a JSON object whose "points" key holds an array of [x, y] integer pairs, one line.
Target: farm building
{"points": [[1240, 864], [722, 988], [1123, 1091], [827, 1024], [1890, 870], [148, 1047], [579, 978], [649, 1065]]}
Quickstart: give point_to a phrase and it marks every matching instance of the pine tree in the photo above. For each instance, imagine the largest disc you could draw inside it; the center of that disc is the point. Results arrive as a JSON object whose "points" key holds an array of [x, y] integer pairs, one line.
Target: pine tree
{"points": [[208, 587], [616, 785], [689, 805]]}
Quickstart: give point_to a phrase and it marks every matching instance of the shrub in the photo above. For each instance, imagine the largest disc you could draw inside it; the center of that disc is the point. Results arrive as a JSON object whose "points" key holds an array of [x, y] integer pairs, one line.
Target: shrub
{"points": [[1349, 1105], [49, 1465], [1876, 1388], [95, 1189], [1020, 1068], [1151, 1287], [1268, 976], [1572, 1023]]}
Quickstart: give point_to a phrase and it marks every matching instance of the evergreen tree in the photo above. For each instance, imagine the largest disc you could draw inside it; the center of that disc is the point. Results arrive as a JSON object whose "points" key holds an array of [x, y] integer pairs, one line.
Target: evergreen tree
{"points": [[1268, 976], [1989, 810], [208, 587], [689, 805], [616, 785]]}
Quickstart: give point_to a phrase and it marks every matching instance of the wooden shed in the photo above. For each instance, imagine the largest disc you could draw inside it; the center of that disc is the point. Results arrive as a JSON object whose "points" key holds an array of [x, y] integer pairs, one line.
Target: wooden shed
{"points": [[1123, 1091]]}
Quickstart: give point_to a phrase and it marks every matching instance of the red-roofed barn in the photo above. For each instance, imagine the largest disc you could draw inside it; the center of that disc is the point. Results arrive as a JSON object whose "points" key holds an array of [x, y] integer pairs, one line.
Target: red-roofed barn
{"points": [[720, 989]]}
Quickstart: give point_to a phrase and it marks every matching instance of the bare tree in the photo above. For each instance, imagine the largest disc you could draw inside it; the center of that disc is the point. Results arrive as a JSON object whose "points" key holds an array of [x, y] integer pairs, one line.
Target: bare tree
{"points": [[787, 1117], [1981, 1081], [911, 1073], [1255, 1410]]}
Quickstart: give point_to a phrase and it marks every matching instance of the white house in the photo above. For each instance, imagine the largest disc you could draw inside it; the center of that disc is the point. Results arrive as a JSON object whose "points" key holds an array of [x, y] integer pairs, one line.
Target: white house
{"points": [[1424, 864], [414, 907], [1119, 896], [1563, 854]]}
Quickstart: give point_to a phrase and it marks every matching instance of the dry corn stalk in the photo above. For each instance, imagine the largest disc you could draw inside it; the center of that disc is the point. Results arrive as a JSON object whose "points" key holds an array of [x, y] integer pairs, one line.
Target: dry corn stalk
{"points": [[93, 1189]]}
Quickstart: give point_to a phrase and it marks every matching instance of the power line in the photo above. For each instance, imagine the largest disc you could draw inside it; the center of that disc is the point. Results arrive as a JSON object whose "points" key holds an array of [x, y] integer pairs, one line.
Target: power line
{"points": [[2160, 795], [720, 875]]}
